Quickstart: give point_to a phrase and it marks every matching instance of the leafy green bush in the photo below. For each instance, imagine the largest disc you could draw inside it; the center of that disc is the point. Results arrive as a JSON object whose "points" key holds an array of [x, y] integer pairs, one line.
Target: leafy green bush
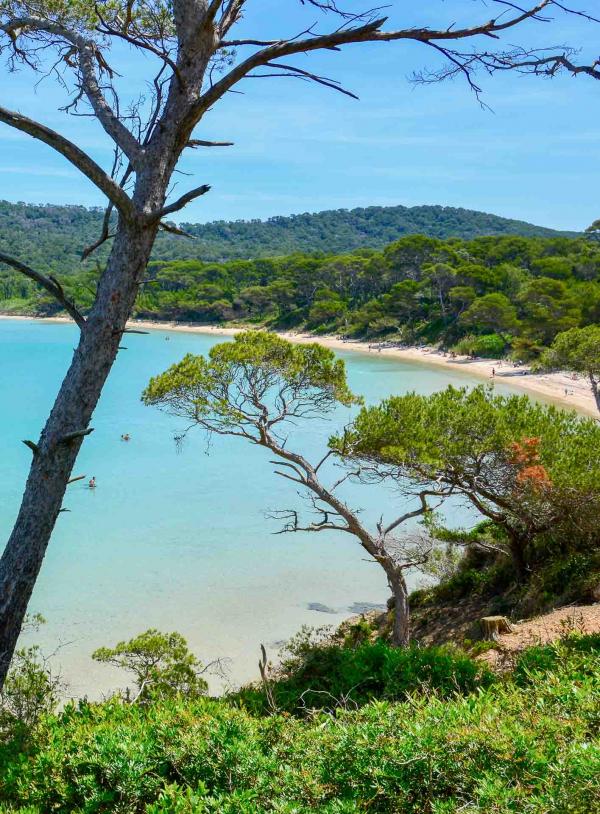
{"points": [[491, 346], [505, 749], [421, 597], [30, 691], [580, 653], [161, 664], [571, 577], [318, 674]]}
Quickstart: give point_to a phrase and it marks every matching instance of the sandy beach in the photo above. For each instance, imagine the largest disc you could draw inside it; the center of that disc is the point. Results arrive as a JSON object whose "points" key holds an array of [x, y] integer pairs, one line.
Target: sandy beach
{"points": [[562, 389]]}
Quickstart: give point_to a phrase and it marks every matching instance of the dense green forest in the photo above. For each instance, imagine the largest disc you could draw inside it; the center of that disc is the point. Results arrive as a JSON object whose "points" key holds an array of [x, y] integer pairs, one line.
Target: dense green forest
{"points": [[484, 296], [51, 238]]}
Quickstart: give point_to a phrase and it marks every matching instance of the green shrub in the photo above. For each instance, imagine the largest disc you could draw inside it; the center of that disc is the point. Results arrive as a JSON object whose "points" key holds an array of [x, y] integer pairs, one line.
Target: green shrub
{"points": [[580, 653], [324, 675], [161, 664], [30, 690], [504, 749], [357, 632], [489, 580], [476, 648], [491, 346], [570, 577], [421, 597]]}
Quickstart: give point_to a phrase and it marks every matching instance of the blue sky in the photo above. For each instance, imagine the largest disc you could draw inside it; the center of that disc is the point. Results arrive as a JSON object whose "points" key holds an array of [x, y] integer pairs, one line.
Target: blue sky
{"points": [[301, 148]]}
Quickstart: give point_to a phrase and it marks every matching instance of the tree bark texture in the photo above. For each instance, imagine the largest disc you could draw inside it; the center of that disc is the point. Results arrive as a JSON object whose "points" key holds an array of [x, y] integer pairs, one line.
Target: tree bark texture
{"points": [[54, 459], [401, 609]]}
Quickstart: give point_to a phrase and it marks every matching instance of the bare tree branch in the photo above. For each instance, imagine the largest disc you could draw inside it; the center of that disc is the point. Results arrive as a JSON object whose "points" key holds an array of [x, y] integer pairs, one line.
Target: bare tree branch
{"points": [[369, 32], [105, 231], [89, 56], [423, 509], [105, 234], [75, 155], [50, 284], [288, 71], [195, 142], [213, 10], [231, 15], [544, 65], [175, 230], [183, 201], [140, 42]]}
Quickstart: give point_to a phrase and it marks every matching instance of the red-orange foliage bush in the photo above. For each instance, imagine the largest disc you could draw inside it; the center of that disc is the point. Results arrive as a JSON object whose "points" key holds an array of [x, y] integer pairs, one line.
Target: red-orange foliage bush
{"points": [[525, 455]]}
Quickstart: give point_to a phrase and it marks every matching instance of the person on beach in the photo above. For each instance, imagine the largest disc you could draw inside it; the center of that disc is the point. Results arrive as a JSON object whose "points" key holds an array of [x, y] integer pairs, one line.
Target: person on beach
{"points": [[493, 372], [92, 483]]}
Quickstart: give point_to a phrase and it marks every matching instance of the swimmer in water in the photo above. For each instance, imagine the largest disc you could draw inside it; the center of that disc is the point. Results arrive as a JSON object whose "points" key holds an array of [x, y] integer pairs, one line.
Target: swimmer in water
{"points": [[126, 437], [92, 483]]}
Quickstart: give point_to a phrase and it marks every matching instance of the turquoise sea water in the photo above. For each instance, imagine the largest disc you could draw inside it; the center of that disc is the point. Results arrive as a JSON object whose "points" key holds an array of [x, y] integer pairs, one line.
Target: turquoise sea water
{"points": [[178, 538]]}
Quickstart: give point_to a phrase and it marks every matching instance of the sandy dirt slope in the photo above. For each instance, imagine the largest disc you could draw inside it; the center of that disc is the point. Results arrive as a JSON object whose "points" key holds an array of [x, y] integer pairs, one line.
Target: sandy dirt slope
{"points": [[543, 630]]}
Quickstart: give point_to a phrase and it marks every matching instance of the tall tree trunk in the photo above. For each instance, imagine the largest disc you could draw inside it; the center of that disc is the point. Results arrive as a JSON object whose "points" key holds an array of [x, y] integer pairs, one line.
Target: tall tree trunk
{"points": [[401, 626], [56, 453], [517, 545]]}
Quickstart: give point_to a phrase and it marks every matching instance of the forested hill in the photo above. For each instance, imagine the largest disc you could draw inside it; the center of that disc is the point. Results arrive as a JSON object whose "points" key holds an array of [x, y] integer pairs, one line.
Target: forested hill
{"points": [[342, 230], [52, 237]]}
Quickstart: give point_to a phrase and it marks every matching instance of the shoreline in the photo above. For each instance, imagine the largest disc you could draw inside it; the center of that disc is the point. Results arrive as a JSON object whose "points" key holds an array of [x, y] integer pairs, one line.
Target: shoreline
{"points": [[549, 386]]}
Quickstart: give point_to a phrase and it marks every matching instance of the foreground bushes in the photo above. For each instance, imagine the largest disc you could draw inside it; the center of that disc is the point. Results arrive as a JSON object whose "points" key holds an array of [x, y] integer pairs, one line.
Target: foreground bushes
{"points": [[527, 746], [324, 675]]}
